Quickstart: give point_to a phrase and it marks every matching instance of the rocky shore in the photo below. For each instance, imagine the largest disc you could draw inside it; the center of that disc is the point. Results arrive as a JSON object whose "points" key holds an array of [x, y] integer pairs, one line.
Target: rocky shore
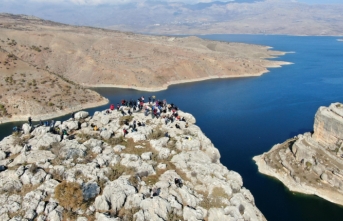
{"points": [[311, 163], [158, 172]]}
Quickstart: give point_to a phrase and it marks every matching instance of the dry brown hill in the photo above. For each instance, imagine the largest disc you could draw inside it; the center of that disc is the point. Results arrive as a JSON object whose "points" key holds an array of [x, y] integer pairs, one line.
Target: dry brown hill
{"points": [[49, 52]]}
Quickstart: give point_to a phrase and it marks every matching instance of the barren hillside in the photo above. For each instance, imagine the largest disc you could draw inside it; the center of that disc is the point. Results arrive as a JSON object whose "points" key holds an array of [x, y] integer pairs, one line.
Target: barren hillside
{"points": [[49, 52]]}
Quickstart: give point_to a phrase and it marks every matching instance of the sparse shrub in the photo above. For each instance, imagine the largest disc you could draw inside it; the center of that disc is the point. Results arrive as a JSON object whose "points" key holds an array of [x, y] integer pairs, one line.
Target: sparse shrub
{"points": [[241, 209], [308, 165], [174, 217], [219, 192], [127, 214], [134, 180], [124, 118], [78, 173], [33, 47], [156, 134], [194, 174], [115, 140], [33, 169], [69, 195]]}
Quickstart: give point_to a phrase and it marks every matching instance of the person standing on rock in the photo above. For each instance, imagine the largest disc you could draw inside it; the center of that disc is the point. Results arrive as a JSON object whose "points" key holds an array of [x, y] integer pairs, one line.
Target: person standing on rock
{"points": [[125, 132], [30, 121], [112, 107]]}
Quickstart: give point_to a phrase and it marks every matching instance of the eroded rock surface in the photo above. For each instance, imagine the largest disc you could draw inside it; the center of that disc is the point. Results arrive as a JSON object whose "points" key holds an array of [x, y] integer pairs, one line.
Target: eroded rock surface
{"points": [[120, 178], [311, 163]]}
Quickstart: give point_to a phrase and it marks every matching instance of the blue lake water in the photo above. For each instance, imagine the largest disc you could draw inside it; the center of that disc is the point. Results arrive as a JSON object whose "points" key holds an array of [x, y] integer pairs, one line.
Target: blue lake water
{"points": [[245, 117]]}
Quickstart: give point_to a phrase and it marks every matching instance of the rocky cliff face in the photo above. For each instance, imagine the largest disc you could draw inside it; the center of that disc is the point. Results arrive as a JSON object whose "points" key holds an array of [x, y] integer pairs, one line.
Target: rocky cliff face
{"points": [[101, 175], [311, 163]]}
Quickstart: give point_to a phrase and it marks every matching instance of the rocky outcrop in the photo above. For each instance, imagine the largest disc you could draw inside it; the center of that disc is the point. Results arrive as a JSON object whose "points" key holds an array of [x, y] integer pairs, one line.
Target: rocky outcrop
{"points": [[119, 178], [311, 163]]}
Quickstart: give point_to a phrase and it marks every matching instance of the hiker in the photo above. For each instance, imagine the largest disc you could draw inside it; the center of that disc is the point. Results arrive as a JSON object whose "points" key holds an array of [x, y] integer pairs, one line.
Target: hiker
{"points": [[166, 120], [118, 106], [177, 126], [52, 123], [158, 112], [64, 134], [167, 135], [73, 115], [183, 119], [147, 110], [125, 132], [141, 105], [149, 99], [188, 138], [112, 107], [129, 112], [171, 118], [141, 124], [123, 112], [178, 182], [41, 123], [30, 121]]}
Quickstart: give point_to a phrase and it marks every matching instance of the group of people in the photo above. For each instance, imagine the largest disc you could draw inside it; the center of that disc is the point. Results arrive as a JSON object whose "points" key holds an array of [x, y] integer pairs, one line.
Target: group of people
{"points": [[157, 108], [52, 128]]}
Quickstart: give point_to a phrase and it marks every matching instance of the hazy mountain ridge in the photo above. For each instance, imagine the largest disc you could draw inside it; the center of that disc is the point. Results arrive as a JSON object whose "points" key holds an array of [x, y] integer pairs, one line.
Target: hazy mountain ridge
{"points": [[264, 17]]}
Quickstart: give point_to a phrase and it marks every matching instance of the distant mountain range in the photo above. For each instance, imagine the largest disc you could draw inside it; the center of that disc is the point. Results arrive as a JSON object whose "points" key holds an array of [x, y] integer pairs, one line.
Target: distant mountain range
{"points": [[242, 17]]}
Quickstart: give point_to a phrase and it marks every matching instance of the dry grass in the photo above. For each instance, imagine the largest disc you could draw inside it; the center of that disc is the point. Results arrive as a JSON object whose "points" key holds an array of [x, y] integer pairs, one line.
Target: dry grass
{"points": [[156, 134], [19, 139], [83, 137], [124, 118], [69, 195], [114, 141], [127, 214], [214, 199], [131, 149]]}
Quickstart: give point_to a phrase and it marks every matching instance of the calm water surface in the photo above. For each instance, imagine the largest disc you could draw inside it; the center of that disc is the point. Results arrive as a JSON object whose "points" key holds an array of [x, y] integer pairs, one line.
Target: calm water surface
{"points": [[245, 117]]}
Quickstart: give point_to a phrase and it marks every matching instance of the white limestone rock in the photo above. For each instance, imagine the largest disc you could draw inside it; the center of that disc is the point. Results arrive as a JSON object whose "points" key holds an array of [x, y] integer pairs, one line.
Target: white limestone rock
{"points": [[114, 194], [39, 131], [2, 155], [155, 208], [26, 128], [146, 155], [81, 115]]}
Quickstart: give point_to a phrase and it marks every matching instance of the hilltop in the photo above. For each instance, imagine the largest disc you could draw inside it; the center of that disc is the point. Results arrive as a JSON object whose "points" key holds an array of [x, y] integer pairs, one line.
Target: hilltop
{"points": [[59, 61], [97, 174]]}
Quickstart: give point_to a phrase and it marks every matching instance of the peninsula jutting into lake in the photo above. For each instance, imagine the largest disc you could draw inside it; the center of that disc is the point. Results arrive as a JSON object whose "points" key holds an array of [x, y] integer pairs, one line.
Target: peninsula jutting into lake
{"points": [[311, 163], [59, 62]]}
